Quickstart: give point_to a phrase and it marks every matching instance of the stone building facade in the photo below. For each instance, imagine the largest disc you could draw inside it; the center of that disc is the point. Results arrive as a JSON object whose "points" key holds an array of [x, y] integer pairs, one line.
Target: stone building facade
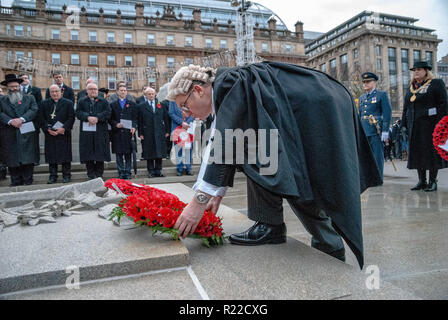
{"points": [[136, 34], [381, 43]]}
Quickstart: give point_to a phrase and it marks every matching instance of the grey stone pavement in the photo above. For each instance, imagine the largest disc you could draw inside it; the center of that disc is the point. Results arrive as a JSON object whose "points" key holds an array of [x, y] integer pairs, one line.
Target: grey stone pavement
{"points": [[405, 237]]}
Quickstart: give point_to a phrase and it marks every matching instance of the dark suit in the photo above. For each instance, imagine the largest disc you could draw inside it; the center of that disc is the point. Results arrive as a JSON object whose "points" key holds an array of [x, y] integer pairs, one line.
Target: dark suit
{"points": [[37, 94], [58, 149], [67, 93], [94, 146], [19, 149], [152, 125], [375, 103], [140, 99], [121, 137]]}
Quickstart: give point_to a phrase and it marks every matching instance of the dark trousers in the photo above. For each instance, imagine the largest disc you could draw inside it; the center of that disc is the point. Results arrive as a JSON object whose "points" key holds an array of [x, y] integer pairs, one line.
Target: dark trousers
{"points": [[2, 172], [95, 169], [378, 152], [124, 165], [66, 170], [154, 166], [267, 207], [22, 174]]}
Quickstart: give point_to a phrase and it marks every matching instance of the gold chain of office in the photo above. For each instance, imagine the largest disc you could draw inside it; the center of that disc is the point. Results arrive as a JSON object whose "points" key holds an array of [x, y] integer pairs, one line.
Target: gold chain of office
{"points": [[415, 91]]}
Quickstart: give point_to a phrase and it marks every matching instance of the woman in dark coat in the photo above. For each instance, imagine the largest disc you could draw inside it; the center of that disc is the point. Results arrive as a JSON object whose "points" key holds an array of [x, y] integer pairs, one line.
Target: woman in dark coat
{"points": [[58, 115], [425, 104]]}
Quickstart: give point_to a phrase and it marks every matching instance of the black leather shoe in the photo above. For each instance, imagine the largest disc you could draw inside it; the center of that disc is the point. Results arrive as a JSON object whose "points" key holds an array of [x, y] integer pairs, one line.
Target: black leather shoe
{"points": [[66, 180], [178, 173], [51, 181], [421, 185], [260, 233], [431, 187]]}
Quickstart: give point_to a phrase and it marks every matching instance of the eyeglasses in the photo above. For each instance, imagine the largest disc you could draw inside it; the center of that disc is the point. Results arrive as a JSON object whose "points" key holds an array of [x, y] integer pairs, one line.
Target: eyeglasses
{"points": [[183, 106]]}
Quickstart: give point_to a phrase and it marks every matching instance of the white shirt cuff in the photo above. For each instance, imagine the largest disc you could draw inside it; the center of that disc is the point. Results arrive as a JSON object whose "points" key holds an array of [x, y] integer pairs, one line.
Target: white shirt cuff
{"points": [[210, 189]]}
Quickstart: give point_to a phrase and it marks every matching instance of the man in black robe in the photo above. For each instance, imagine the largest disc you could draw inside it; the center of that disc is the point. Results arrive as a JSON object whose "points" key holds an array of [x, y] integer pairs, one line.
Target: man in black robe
{"points": [[124, 123], [153, 128], [94, 145], [83, 93], [320, 173], [67, 92], [17, 113], [57, 118]]}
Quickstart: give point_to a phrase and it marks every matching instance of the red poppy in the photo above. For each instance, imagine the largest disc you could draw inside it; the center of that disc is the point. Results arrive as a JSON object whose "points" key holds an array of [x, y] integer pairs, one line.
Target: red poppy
{"points": [[127, 105], [19, 102], [96, 100], [159, 106]]}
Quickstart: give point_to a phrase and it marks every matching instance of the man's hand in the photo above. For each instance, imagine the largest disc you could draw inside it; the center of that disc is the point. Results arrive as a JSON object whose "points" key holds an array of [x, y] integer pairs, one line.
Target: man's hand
{"points": [[60, 131], [185, 125], [213, 204], [189, 219], [52, 132], [17, 122], [167, 135], [92, 120], [119, 125], [142, 137], [132, 131]]}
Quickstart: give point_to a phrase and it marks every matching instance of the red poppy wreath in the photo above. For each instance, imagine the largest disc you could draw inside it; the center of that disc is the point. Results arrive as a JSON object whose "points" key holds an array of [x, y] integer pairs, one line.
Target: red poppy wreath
{"points": [[440, 138], [159, 211]]}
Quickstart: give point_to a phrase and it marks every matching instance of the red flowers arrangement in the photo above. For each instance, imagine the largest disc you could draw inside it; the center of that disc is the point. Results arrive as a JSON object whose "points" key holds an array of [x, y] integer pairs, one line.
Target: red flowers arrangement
{"points": [[440, 137], [180, 136], [159, 210]]}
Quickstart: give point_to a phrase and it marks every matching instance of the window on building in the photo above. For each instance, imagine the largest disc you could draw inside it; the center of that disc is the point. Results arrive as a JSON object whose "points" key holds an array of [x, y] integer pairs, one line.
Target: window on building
{"points": [[405, 67], [188, 41], [111, 83], [75, 58], [128, 37], [344, 68], [111, 37], [8, 29], [55, 34], [378, 50], [189, 61], [151, 38], [75, 83], [74, 35], [288, 48], [170, 40], [429, 57], [18, 31], [110, 60], [333, 70], [56, 58], [323, 67], [128, 61], [20, 55], [92, 36], [152, 82], [170, 62], [93, 59], [392, 53], [151, 61], [208, 43], [379, 65], [9, 55], [417, 55], [355, 53], [129, 83], [264, 47], [30, 55], [28, 31], [223, 44]]}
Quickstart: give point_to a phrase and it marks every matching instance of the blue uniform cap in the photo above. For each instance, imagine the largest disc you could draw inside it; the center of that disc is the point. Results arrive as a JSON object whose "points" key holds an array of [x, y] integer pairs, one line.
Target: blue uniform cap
{"points": [[369, 76]]}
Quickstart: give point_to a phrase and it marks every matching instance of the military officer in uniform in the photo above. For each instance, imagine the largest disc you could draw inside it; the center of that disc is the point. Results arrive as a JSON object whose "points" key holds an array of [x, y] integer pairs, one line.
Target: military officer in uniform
{"points": [[374, 106]]}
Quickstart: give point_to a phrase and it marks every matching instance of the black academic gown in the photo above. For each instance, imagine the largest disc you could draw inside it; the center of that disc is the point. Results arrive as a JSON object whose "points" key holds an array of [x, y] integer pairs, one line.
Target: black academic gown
{"points": [[153, 126], [18, 149], [58, 149], [67, 93], [94, 146], [323, 153], [122, 138]]}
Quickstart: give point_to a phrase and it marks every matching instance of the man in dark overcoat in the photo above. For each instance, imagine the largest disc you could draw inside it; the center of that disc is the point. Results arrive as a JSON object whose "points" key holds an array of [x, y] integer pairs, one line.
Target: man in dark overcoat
{"points": [[17, 113], [67, 92], [124, 112], [94, 145], [57, 117], [153, 128]]}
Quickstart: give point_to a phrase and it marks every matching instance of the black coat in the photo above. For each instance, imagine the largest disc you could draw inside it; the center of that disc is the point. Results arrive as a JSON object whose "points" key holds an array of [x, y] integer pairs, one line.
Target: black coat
{"points": [[36, 93], [94, 146], [121, 138], [420, 125], [140, 99], [83, 93], [58, 149], [18, 149], [67, 93], [153, 127], [331, 167]]}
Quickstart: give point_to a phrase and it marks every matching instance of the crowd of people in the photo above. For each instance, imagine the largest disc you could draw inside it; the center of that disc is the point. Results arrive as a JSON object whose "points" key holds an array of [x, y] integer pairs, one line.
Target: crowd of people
{"points": [[108, 124]]}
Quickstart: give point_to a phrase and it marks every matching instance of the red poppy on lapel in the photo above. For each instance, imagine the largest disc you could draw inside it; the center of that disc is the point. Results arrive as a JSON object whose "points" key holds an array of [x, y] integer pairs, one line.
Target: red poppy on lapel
{"points": [[96, 100], [159, 106], [62, 89], [19, 102], [127, 105]]}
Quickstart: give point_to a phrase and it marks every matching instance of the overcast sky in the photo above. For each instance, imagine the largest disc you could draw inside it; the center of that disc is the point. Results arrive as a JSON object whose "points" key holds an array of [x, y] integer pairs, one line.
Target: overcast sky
{"points": [[324, 15]]}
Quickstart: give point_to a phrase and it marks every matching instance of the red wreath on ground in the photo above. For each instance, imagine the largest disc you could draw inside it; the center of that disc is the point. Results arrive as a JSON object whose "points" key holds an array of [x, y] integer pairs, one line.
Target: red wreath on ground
{"points": [[440, 137], [181, 137]]}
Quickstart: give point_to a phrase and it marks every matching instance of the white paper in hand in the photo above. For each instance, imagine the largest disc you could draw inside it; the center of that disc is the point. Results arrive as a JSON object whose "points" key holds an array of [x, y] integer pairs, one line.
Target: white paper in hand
{"points": [[444, 147], [88, 127], [127, 124], [58, 125], [27, 127]]}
